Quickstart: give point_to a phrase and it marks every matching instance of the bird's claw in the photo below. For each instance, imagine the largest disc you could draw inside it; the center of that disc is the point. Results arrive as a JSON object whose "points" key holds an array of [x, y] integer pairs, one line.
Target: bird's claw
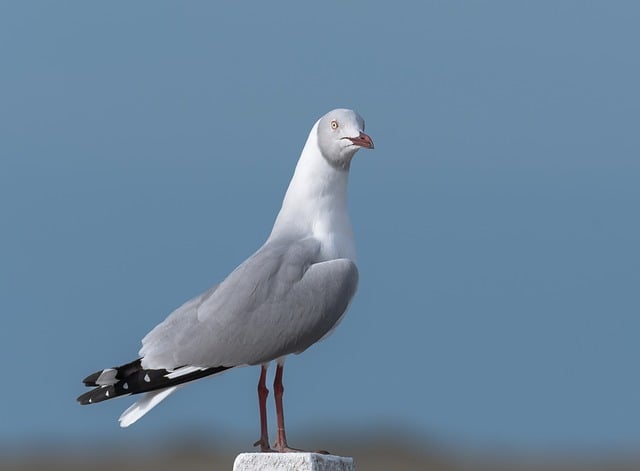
{"points": [[284, 448], [264, 446]]}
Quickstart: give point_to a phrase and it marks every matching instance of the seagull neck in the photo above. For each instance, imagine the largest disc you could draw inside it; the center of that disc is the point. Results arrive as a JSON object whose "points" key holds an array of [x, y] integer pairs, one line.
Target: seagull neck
{"points": [[316, 201]]}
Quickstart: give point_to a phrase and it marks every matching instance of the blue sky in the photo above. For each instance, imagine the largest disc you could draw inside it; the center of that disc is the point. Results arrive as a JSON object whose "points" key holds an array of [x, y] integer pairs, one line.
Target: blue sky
{"points": [[145, 148]]}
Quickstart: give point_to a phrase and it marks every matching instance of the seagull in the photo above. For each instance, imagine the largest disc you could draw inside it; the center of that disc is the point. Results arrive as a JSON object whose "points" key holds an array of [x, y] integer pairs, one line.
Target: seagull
{"points": [[291, 293]]}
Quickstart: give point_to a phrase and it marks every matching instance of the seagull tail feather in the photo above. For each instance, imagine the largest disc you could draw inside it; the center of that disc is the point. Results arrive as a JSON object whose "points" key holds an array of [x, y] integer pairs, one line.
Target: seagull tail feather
{"points": [[145, 404]]}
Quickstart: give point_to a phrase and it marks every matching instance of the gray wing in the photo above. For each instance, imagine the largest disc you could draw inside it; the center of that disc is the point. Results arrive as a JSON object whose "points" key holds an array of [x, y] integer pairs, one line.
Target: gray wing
{"points": [[280, 301]]}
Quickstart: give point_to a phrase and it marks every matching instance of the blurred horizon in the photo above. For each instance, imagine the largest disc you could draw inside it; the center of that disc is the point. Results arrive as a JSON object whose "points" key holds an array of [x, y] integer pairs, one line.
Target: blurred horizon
{"points": [[398, 450]]}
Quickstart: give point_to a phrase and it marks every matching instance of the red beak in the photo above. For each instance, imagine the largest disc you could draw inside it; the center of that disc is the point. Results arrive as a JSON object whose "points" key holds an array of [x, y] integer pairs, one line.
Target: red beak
{"points": [[362, 140]]}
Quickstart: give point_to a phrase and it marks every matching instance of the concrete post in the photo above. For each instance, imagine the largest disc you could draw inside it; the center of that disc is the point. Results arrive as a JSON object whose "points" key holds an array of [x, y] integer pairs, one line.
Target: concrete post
{"points": [[292, 462]]}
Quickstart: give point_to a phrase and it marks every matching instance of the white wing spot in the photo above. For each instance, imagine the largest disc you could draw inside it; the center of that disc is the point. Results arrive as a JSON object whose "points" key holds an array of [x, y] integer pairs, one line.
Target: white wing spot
{"points": [[146, 378], [125, 386], [106, 393]]}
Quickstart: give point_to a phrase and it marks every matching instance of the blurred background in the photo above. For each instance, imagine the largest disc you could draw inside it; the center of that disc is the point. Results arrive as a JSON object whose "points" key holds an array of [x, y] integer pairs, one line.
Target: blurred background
{"points": [[144, 151]]}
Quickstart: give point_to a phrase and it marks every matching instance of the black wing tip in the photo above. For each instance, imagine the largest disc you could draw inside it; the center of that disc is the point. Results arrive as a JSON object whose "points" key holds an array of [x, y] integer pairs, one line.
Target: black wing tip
{"points": [[91, 379], [99, 394], [85, 398], [121, 372], [133, 379]]}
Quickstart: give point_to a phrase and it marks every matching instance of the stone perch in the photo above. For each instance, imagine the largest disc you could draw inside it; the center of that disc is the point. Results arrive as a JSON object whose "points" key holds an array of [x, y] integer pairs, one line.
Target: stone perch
{"points": [[292, 462]]}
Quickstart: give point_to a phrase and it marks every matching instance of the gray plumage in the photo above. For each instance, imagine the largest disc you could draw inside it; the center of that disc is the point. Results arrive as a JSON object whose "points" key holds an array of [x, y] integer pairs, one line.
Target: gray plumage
{"points": [[280, 301]]}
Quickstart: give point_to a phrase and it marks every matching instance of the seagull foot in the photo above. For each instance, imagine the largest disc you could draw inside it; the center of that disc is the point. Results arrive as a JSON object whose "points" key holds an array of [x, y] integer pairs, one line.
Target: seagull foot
{"points": [[287, 449], [264, 446]]}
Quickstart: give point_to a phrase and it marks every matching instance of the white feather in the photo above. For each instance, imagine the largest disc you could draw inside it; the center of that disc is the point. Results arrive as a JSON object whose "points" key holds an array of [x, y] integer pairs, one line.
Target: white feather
{"points": [[185, 370], [144, 405]]}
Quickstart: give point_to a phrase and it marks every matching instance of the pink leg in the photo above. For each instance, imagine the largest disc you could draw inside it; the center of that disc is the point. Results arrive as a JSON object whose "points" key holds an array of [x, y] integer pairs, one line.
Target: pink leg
{"points": [[263, 392], [278, 390], [281, 441]]}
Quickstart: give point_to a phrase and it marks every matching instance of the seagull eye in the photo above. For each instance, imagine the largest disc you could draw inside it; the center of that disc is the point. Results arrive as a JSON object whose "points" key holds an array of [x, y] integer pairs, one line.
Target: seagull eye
{"points": [[334, 124]]}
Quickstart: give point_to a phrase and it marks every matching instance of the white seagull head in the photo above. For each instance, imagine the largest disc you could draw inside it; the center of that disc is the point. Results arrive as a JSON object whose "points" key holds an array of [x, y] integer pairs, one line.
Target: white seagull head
{"points": [[341, 135]]}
